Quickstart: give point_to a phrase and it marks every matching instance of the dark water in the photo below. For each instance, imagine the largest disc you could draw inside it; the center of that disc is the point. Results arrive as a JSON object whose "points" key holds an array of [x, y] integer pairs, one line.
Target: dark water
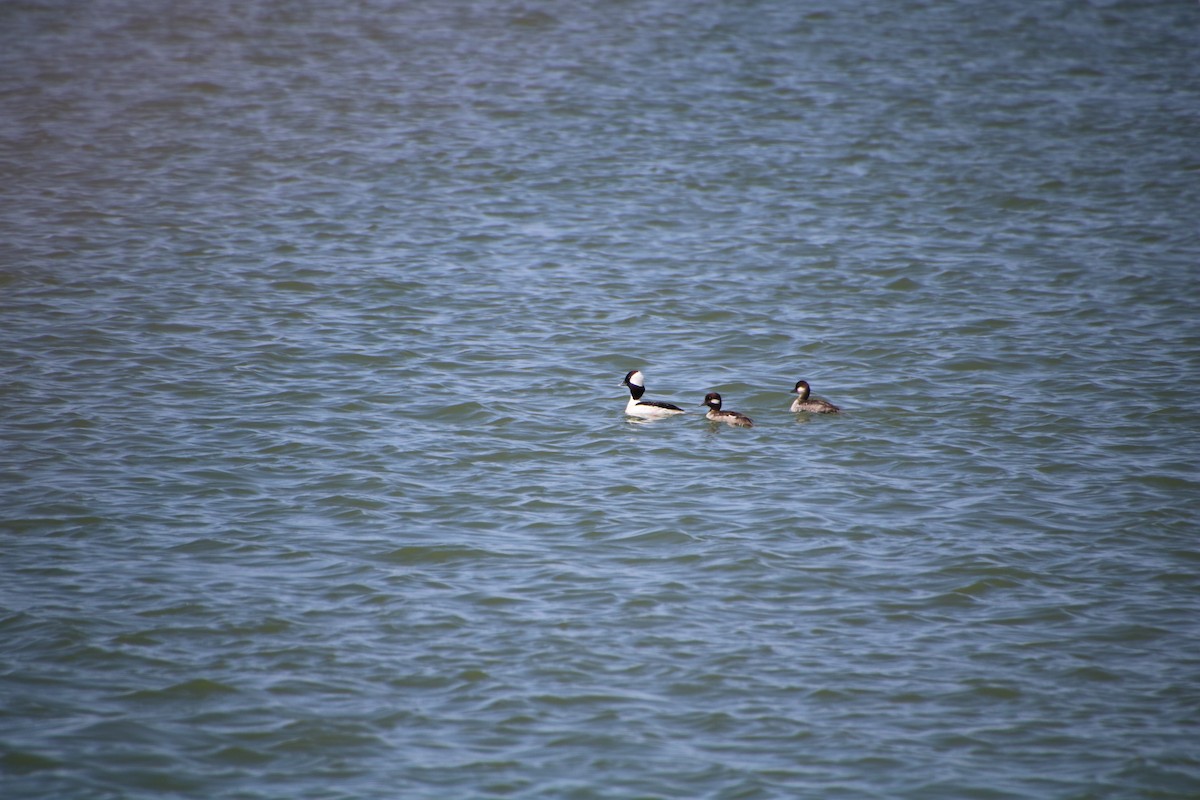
{"points": [[314, 476]]}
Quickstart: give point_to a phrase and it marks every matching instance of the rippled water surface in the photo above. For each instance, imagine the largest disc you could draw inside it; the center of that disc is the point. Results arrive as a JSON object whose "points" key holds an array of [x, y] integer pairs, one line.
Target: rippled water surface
{"points": [[314, 476]]}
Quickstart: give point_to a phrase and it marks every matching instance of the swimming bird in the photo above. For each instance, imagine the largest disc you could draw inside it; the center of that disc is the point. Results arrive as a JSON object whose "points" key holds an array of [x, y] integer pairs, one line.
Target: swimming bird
{"points": [[713, 401], [816, 405], [646, 409]]}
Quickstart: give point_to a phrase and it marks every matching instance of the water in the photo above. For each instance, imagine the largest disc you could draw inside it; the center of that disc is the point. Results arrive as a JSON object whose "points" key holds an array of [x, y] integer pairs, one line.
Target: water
{"points": [[315, 481]]}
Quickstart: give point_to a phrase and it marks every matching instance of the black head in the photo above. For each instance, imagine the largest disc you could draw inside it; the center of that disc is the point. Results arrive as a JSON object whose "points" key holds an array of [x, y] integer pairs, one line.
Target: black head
{"points": [[634, 378], [802, 389], [713, 401]]}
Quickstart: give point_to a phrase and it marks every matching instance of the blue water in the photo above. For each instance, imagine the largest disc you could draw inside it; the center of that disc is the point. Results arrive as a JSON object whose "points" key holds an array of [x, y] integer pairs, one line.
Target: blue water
{"points": [[314, 476]]}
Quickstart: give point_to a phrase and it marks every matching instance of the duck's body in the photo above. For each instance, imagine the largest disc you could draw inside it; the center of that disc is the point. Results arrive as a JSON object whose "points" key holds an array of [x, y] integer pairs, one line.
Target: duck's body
{"points": [[713, 401], [646, 409], [813, 405]]}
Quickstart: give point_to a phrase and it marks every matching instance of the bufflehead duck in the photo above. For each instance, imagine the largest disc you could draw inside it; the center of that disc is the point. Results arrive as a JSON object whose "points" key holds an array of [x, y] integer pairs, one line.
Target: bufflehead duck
{"points": [[713, 401], [647, 409], [816, 405]]}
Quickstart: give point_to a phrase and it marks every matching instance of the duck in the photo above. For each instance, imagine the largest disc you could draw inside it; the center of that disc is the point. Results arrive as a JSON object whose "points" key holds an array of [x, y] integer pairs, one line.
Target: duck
{"points": [[713, 401], [646, 409], [815, 405]]}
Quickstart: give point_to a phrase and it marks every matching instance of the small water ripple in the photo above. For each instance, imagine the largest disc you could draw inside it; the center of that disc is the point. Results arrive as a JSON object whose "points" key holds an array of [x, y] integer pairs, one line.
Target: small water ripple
{"points": [[314, 468]]}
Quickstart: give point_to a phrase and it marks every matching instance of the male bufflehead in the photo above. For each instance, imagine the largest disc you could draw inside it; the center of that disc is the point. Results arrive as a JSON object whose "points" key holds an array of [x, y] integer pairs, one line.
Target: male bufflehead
{"points": [[713, 401], [816, 405], [647, 409]]}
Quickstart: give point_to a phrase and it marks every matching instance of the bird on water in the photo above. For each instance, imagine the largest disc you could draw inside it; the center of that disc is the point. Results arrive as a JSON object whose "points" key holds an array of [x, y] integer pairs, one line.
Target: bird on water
{"points": [[814, 405], [646, 409], [713, 401]]}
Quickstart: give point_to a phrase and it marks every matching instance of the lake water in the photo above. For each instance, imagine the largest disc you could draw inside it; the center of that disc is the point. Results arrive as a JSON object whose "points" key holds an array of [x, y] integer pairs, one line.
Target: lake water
{"points": [[314, 473]]}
